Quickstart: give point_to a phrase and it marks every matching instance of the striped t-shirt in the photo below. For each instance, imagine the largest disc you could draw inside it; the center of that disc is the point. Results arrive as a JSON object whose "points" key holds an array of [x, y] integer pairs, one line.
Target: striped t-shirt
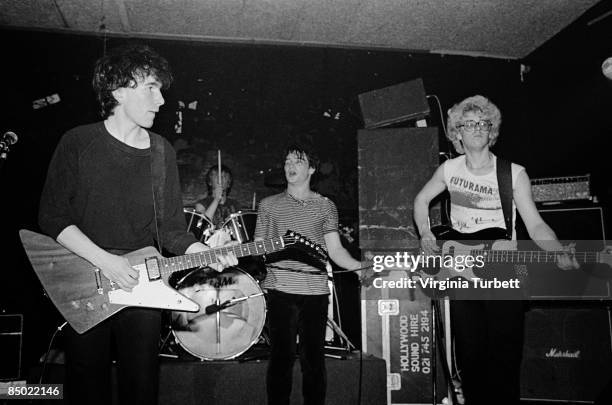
{"points": [[312, 218]]}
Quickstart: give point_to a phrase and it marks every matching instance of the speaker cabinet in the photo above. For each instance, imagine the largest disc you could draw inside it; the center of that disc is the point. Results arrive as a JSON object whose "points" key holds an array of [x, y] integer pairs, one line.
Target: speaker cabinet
{"points": [[585, 227], [567, 356], [394, 104], [576, 223], [11, 334], [394, 164]]}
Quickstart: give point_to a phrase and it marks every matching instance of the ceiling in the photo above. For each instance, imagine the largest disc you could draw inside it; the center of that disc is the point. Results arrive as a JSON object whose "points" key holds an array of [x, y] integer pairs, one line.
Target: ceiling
{"points": [[493, 28]]}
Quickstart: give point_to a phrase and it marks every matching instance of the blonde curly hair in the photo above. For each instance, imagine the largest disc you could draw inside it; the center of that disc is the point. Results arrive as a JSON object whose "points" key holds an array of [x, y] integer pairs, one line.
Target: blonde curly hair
{"points": [[476, 104]]}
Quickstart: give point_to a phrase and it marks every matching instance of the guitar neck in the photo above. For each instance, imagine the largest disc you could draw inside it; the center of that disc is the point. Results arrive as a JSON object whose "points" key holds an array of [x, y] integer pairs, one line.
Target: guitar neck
{"points": [[171, 265], [531, 256]]}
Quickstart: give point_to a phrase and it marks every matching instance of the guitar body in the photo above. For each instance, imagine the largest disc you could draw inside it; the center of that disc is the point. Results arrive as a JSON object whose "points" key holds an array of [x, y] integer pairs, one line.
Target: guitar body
{"points": [[446, 233], [83, 295]]}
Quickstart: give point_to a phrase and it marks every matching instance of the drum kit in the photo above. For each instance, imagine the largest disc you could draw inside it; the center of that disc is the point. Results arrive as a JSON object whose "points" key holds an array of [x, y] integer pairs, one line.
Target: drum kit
{"points": [[232, 311]]}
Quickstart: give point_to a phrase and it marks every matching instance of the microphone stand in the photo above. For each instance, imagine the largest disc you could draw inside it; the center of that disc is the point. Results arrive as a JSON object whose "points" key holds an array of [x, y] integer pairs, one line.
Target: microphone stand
{"points": [[437, 348], [3, 155]]}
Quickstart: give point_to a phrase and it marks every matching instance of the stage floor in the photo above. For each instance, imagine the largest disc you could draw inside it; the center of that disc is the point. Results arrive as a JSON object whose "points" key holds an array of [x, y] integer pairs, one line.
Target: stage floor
{"points": [[194, 382]]}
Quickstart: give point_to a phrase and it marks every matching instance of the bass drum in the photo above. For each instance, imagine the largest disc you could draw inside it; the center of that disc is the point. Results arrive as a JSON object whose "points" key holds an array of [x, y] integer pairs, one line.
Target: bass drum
{"points": [[224, 334]]}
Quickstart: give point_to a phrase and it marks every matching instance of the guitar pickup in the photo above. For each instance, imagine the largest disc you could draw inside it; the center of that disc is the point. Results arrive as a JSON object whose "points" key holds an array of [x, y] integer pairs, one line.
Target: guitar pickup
{"points": [[152, 265], [98, 277]]}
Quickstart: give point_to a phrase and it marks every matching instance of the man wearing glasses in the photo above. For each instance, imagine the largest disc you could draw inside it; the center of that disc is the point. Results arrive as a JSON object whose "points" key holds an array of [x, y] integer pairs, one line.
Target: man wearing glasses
{"points": [[488, 335]]}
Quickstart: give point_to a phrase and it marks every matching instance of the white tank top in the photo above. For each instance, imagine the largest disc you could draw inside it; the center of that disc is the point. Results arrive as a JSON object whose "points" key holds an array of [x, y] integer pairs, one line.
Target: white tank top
{"points": [[475, 202]]}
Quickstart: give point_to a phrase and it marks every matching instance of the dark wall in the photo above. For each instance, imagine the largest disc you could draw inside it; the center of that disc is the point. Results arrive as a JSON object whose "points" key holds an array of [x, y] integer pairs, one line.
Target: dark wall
{"points": [[569, 110], [251, 101]]}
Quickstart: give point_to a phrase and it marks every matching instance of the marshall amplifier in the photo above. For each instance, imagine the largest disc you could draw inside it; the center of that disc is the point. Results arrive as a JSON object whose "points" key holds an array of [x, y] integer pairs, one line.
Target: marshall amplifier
{"points": [[583, 225], [567, 356], [561, 188]]}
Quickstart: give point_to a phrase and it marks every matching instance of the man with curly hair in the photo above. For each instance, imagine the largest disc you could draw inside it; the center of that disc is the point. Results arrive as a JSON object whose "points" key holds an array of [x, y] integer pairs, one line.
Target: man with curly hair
{"points": [[488, 334], [113, 187]]}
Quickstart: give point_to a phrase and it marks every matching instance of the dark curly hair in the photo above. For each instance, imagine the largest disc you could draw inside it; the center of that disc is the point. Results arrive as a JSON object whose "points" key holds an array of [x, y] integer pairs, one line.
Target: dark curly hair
{"points": [[123, 67]]}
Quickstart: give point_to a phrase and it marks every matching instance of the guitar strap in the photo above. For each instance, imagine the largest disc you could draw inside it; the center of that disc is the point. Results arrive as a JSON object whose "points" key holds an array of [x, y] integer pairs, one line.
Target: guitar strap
{"points": [[158, 179], [504, 184]]}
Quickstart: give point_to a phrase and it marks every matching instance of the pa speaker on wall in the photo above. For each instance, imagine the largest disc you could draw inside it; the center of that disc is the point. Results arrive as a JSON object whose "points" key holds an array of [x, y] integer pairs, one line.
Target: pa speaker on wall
{"points": [[394, 104], [567, 356]]}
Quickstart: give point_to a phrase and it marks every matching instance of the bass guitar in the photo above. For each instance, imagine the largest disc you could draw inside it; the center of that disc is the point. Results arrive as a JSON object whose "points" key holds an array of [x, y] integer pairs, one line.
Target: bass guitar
{"points": [[489, 248], [85, 297]]}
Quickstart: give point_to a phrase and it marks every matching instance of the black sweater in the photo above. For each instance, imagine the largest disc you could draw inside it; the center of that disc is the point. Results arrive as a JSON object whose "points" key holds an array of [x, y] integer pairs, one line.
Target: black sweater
{"points": [[104, 187]]}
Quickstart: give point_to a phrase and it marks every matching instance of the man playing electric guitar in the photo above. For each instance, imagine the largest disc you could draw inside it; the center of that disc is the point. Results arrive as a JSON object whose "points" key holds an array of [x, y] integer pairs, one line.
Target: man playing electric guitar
{"points": [[488, 334], [112, 187]]}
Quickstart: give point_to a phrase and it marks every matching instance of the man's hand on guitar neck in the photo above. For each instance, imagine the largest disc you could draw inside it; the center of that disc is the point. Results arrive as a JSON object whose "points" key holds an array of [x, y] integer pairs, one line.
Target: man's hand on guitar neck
{"points": [[567, 260], [227, 260]]}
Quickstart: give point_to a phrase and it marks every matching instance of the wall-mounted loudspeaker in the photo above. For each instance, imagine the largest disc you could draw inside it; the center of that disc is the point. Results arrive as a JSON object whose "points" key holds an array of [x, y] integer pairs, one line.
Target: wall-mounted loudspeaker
{"points": [[394, 104]]}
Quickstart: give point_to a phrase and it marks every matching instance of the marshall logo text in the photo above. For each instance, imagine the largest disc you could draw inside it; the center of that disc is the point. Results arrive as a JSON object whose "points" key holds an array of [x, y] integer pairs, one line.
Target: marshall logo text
{"points": [[564, 354]]}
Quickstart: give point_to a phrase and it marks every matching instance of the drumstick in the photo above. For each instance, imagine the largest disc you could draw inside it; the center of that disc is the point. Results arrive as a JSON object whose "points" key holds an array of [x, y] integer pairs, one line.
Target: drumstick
{"points": [[219, 165]]}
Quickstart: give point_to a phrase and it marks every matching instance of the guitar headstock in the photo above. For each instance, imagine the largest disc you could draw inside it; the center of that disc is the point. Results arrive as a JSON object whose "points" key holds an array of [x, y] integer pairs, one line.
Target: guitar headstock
{"points": [[303, 243]]}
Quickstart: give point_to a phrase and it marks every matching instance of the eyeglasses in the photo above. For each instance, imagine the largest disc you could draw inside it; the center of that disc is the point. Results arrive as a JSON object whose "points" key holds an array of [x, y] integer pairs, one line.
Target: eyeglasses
{"points": [[470, 125]]}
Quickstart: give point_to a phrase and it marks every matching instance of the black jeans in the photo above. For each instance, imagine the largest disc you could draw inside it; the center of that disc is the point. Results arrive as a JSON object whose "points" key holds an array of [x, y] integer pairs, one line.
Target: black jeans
{"points": [[288, 316], [489, 346], [135, 332]]}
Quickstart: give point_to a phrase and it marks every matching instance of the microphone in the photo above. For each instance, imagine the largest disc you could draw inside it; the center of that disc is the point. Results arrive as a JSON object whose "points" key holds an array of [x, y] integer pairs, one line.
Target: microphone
{"points": [[606, 68], [10, 138], [211, 309]]}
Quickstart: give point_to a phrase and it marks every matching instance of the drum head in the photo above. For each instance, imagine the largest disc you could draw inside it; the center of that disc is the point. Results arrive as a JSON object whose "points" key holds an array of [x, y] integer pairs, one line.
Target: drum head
{"points": [[225, 334]]}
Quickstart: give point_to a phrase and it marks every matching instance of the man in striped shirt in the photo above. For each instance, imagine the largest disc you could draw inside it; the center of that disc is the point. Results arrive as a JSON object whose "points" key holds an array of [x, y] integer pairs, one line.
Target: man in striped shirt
{"points": [[298, 293]]}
